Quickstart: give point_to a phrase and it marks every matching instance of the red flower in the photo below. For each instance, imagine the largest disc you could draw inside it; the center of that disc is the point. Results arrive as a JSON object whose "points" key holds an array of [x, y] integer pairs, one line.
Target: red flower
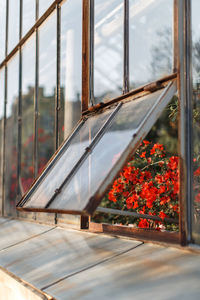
{"points": [[143, 155], [173, 163], [111, 196], [162, 215], [162, 189], [197, 198], [143, 223], [197, 172]]}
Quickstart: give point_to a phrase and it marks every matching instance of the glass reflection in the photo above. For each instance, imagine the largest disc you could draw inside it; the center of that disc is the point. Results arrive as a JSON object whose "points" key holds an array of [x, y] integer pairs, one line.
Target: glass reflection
{"points": [[47, 88], [1, 128], [93, 171], [150, 40], [28, 15], [70, 156], [13, 24], [28, 91], [11, 136], [108, 49], [44, 5], [196, 119], [71, 64], [2, 28]]}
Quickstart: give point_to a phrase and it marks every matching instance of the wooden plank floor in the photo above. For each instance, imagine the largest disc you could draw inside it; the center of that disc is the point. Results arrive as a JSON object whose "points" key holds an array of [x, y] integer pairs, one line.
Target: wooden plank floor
{"points": [[69, 264]]}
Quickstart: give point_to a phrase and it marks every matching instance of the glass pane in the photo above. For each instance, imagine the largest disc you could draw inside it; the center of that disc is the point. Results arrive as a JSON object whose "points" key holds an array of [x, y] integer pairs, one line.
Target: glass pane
{"points": [[150, 44], [2, 28], [92, 173], [108, 49], [28, 15], [1, 127], [44, 5], [47, 88], [71, 65], [67, 160], [13, 24], [11, 136], [28, 91], [196, 119]]}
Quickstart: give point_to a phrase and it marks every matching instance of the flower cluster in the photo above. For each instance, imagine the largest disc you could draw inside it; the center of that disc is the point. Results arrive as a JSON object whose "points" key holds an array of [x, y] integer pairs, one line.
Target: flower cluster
{"points": [[148, 184]]}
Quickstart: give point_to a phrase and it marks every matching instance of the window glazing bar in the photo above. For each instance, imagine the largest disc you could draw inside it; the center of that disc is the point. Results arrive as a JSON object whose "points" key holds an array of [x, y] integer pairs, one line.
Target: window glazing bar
{"points": [[58, 104], [21, 19], [134, 214], [87, 152], [155, 84], [175, 36], [126, 47], [85, 55], [36, 10], [92, 12], [19, 137], [185, 118], [6, 37], [36, 109]]}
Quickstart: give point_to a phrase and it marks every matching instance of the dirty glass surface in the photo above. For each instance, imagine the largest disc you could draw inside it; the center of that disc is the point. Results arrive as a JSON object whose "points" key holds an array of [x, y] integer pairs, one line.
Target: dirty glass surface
{"points": [[196, 121], [108, 49], [44, 5], [2, 28], [29, 12], [131, 123], [47, 91], [150, 40], [13, 24], [11, 136], [71, 65], [28, 114], [67, 160]]}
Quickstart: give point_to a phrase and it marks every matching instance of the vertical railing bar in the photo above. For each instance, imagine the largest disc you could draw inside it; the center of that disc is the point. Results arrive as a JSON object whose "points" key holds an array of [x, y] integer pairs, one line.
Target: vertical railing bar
{"points": [[4, 143], [19, 135], [185, 111], [5, 108], [189, 120], [58, 105], [19, 117], [20, 19], [85, 54], [175, 36], [36, 10], [126, 48], [7, 16], [35, 152], [92, 13]]}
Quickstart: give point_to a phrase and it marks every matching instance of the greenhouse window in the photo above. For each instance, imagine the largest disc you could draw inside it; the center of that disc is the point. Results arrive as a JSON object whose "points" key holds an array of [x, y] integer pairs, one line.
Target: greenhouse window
{"points": [[82, 170]]}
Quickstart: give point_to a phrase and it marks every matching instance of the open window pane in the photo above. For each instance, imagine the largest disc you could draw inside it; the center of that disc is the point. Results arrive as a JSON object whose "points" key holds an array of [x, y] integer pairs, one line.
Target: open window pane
{"points": [[123, 133], [126, 125], [68, 157]]}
